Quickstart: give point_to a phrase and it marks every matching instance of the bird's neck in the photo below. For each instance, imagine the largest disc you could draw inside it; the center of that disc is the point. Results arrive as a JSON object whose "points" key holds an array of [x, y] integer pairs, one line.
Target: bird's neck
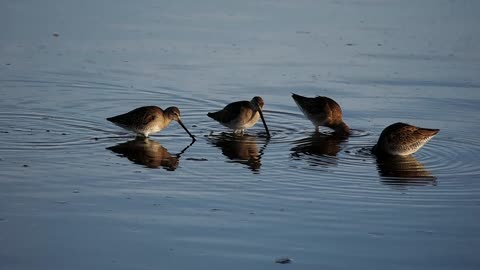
{"points": [[166, 122]]}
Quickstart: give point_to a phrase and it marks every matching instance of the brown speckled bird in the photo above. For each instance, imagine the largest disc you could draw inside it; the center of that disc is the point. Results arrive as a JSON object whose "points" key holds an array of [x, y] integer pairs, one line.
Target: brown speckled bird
{"points": [[147, 120], [402, 139], [241, 115], [322, 111]]}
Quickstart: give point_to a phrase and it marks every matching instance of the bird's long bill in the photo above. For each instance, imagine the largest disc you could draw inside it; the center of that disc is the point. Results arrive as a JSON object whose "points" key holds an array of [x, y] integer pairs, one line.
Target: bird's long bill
{"points": [[264, 123], [184, 127]]}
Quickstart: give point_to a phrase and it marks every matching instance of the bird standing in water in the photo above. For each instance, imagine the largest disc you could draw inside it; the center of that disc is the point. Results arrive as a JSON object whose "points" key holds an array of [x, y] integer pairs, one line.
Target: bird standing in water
{"points": [[241, 115], [148, 120], [402, 139], [322, 111]]}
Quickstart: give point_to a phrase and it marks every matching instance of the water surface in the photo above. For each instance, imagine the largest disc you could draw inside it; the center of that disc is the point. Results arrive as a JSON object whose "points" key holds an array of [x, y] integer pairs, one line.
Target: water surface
{"points": [[78, 192]]}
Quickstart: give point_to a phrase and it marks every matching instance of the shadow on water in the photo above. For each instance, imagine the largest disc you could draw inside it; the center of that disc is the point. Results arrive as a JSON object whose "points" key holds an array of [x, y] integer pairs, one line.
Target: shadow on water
{"points": [[318, 149], [240, 149], [147, 152], [403, 171]]}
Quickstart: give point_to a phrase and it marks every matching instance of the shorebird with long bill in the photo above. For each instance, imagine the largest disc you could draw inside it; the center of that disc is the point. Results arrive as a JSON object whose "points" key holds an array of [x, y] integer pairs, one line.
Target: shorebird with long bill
{"points": [[148, 120], [322, 111], [241, 115], [402, 139]]}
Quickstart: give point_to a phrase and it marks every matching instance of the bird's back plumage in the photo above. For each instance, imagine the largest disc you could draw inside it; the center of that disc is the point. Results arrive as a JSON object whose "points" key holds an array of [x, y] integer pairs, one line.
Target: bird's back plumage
{"points": [[230, 112], [142, 120], [139, 116], [322, 111], [236, 115], [403, 139]]}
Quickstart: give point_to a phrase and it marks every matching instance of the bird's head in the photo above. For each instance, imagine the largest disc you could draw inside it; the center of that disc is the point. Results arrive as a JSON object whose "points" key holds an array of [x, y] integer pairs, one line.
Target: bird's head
{"points": [[172, 113], [257, 102]]}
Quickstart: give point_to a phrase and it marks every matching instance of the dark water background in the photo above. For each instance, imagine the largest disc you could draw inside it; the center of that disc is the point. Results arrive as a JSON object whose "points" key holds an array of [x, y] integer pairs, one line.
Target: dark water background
{"points": [[77, 192]]}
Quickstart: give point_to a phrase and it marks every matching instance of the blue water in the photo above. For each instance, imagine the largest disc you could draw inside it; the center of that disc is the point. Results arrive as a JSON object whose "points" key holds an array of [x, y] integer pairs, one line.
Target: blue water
{"points": [[77, 192]]}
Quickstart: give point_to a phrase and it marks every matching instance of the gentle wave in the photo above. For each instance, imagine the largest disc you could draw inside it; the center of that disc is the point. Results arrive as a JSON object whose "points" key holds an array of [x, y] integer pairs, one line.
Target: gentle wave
{"points": [[293, 145], [26, 131]]}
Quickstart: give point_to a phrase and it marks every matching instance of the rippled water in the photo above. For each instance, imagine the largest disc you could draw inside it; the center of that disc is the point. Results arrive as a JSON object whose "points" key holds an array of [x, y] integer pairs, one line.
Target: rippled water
{"points": [[78, 192]]}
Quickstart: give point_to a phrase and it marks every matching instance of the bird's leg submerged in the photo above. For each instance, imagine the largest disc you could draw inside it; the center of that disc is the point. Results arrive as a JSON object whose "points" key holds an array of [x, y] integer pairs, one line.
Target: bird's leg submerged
{"points": [[238, 132]]}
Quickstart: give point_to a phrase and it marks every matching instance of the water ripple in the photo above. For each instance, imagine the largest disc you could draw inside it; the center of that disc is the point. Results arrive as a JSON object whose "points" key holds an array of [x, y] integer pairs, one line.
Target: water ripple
{"points": [[450, 157], [25, 131]]}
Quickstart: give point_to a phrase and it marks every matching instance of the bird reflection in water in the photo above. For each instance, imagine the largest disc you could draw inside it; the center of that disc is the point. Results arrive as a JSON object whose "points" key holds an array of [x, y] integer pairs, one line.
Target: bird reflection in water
{"points": [[239, 149], [318, 149], [403, 171], [147, 152]]}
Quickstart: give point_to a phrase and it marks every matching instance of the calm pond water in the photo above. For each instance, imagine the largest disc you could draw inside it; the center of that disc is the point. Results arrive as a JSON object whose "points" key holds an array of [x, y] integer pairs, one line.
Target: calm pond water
{"points": [[77, 192]]}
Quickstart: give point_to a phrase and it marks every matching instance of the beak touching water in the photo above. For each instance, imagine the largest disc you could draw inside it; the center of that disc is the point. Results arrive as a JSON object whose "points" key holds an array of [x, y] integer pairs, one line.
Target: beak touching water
{"points": [[264, 123], [184, 127]]}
